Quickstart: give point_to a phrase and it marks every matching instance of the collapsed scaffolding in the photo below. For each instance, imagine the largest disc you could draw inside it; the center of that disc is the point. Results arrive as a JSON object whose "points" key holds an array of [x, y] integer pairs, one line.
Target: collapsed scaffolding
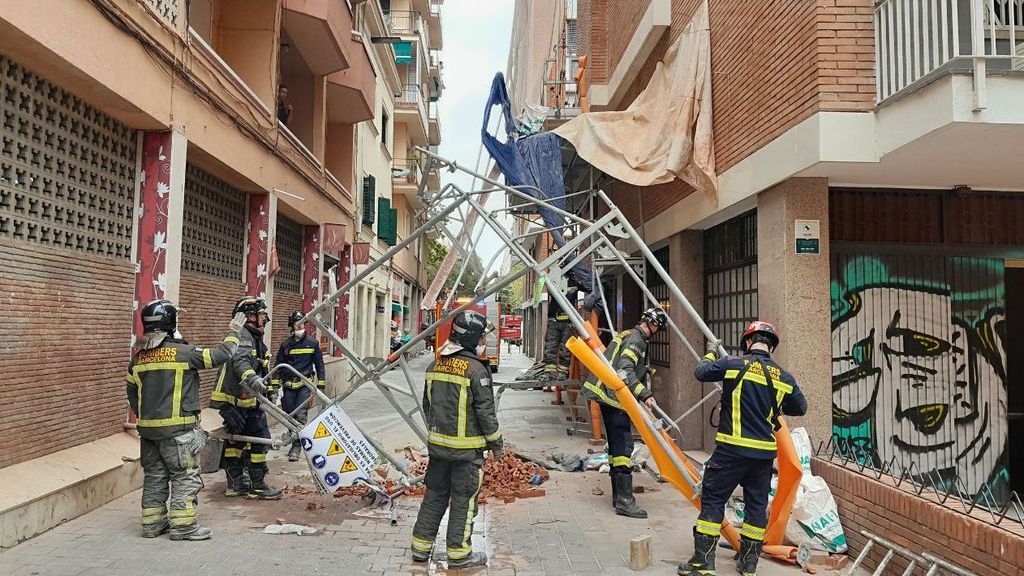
{"points": [[602, 243]]}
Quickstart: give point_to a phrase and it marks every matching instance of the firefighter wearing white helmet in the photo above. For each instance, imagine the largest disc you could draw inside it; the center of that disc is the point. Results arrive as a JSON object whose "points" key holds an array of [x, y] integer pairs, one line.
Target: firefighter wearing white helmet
{"points": [[458, 404], [627, 354]]}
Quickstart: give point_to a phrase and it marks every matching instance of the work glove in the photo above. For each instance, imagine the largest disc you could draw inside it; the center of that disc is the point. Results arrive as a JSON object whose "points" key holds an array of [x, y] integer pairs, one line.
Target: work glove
{"points": [[272, 396], [199, 439], [234, 422], [713, 347], [496, 451], [237, 323]]}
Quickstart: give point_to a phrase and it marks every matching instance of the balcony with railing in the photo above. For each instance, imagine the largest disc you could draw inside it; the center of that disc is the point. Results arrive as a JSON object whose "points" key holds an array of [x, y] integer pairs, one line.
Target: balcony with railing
{"points": [[406, 22], [411, 109], [918, 41], [433, 124], [406, 172]]}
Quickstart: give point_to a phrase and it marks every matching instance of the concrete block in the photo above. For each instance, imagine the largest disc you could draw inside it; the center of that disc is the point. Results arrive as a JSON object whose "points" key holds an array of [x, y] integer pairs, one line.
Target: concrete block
{"points": [[640, 552]]}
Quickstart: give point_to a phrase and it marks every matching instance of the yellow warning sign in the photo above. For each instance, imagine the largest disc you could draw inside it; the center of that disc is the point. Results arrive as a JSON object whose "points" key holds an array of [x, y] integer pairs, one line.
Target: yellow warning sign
{"points": [[348, 466], [321, 431], [335, 449]]}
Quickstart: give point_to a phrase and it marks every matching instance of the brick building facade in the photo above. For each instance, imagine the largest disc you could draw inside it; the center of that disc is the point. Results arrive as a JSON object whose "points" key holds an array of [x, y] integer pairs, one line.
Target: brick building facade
{"points": [[192, 183], [861, 190]]}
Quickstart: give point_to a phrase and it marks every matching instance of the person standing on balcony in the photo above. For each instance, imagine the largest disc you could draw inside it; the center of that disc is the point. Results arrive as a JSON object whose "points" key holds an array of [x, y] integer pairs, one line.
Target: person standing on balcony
{"points": [[284, 109]]}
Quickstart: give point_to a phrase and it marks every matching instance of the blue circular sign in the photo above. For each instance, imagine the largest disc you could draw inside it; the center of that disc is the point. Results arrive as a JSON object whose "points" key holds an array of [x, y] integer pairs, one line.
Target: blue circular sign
{"points": [[307, 444], [319, 461], [331, 478]]}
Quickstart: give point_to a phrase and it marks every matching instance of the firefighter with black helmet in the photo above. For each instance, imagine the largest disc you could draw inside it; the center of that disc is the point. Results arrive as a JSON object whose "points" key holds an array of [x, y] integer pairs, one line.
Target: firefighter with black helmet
{"points": [[458, 404], [163, 391], [234, 397], [627, 354], [755, 392], [302, 352]]}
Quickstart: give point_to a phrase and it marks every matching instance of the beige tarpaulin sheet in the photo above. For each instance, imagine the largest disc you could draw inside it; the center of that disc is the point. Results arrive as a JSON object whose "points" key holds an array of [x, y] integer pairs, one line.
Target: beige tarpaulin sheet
{"points": [[666, 132]]}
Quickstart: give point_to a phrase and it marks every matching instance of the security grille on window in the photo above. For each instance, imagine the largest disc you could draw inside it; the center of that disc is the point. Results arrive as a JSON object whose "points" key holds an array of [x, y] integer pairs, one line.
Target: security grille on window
{"points": [[289, 255], [213, 241], [66, 169], [658, 348], [730, 278]]}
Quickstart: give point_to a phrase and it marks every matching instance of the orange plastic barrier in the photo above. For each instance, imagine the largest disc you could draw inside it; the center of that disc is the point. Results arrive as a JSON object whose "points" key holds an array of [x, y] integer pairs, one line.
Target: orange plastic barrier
{"points": [[790, 471]]}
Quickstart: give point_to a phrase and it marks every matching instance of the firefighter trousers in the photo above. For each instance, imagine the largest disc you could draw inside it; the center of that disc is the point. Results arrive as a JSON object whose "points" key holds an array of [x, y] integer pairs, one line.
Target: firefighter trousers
{"points": [[170, 482], [297, 400], [452, 485], [241, 455], [618, 429], [725, 471], [557, 334]]}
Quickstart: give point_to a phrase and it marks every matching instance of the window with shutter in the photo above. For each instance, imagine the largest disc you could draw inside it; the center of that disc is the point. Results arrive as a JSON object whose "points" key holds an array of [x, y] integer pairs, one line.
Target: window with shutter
{"points": [[387, 227], [369, 194]]}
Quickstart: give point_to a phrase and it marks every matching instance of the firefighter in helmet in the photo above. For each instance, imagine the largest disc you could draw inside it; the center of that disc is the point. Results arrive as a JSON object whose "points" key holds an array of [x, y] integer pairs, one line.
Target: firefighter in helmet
{"points": [[302, 352], [627, 354], [234, 397], [459, 407], [755, 392], [163, 391]]}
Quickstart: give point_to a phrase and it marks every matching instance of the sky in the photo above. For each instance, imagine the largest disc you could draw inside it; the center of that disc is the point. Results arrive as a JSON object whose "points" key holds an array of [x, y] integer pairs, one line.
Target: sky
{"points": [[476, 41]]}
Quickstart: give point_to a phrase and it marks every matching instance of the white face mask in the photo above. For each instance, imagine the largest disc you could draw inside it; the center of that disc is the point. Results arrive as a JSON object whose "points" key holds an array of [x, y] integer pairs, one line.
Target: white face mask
{"points": [[299, 334]]}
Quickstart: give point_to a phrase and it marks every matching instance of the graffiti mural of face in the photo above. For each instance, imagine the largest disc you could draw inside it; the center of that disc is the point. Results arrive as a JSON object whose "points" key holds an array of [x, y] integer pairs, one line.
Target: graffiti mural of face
{"points": [[932, 396]]}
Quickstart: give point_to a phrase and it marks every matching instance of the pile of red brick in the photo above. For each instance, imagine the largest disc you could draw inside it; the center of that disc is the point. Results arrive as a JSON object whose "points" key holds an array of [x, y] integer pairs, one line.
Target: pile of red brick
{"points": [[509, 478]]}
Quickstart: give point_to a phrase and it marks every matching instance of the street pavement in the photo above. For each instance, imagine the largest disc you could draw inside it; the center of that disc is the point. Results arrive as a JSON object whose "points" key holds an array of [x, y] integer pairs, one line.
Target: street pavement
{"points": [[570, 531]]}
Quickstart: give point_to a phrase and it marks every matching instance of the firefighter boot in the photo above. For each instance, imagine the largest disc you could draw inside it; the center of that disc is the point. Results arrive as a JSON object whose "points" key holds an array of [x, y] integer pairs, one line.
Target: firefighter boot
{"points": [[194, 532], [474, 559], [293, 453], [702, 563], [260, 490], [237, 485], [750, 552], [622, 490], [154, 531]]}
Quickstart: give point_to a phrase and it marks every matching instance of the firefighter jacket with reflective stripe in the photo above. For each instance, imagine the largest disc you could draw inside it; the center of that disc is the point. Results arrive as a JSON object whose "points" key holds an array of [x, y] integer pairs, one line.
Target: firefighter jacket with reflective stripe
{"points": [[305, 356], [555, 309], [163, 385], [458, 403], [247, 364], [627, 354], [751, 403]]}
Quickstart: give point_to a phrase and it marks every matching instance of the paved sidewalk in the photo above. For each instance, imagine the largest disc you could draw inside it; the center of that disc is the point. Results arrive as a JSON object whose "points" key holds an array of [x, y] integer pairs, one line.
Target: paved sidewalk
{"points": [[570, 531]]}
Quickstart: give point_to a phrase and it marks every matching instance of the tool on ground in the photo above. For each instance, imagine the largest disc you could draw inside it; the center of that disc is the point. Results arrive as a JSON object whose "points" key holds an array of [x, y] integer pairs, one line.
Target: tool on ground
{"points": [[926, 561]]}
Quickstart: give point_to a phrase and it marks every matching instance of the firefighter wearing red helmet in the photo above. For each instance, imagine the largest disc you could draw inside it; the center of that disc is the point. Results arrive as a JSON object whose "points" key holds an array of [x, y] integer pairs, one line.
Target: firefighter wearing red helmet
{"points": [[755, 391]]}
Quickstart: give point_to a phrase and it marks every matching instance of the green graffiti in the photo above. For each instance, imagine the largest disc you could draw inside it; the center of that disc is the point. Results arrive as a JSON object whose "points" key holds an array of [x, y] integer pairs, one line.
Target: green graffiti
{"points": [[918, 363]]}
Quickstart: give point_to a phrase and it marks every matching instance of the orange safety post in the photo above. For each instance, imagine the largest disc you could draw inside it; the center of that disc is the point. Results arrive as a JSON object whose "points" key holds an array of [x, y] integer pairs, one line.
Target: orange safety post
{"points": [[666, 466], [595, 420]]}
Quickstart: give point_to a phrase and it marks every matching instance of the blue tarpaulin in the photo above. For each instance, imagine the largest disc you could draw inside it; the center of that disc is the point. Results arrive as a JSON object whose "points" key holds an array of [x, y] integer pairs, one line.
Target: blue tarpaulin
{"points": [[534, 161]]}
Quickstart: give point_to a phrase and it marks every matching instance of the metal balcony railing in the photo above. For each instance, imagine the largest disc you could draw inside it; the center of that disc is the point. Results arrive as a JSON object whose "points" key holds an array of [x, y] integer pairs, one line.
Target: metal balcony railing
{"points": [[403, 21], [916, 40], [412, 95], [559, 89], [406, 170]]}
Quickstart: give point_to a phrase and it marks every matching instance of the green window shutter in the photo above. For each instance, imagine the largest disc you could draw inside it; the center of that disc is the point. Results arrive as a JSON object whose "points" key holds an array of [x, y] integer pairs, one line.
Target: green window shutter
{"points": [[387, 224], [392, 227], [369, 194], [383, 207]]}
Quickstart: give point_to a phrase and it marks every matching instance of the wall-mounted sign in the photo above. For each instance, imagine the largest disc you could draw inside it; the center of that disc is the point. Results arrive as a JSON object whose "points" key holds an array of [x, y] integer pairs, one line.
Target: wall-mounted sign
{"points": [[808, 236]]}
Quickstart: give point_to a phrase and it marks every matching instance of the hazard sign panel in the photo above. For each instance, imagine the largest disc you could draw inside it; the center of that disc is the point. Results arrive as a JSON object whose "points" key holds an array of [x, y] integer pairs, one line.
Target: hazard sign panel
{"points": [[338, 453]]}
